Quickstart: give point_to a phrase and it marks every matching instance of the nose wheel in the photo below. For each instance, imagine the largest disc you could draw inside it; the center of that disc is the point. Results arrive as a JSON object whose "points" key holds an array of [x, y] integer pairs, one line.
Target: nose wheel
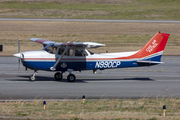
{"points": [[33, 76]]}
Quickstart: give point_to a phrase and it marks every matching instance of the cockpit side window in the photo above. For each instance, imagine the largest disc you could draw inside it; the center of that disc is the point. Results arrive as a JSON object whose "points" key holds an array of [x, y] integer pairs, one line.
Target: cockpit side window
{"points": [[54, 50], [69, 52], [60, 51]]}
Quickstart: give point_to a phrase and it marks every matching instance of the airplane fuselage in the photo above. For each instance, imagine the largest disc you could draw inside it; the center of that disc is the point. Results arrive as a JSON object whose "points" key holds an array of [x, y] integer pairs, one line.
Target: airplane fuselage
{"points": [[42, 60]]}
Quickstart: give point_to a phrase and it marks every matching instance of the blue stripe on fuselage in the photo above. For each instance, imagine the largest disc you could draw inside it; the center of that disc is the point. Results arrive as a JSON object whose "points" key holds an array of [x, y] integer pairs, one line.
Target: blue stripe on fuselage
{"points": [[85, 65], [63, 66]]}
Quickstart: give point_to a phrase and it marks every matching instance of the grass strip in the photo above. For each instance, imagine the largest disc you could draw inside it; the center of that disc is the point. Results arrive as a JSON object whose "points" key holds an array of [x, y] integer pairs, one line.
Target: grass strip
{"points": [[95, 109], [135, 9]]}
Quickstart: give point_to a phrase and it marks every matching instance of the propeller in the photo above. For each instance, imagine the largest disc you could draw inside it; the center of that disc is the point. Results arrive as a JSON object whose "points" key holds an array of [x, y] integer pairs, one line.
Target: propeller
{"points": [[19, 50]]}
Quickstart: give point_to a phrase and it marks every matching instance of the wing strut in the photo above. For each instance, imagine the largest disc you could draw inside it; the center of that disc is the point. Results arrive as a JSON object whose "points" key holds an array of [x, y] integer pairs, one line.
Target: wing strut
{"points": [[54, 67]]}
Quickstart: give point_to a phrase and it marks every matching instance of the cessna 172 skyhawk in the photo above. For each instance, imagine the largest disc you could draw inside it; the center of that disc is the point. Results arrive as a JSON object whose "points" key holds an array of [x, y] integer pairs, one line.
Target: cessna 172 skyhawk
{"points": [[62, 57]]}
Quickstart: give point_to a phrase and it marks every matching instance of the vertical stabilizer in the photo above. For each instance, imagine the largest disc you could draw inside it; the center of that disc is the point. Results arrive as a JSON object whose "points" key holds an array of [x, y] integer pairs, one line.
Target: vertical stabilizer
{"points": [[154, 46], [153, 50]]}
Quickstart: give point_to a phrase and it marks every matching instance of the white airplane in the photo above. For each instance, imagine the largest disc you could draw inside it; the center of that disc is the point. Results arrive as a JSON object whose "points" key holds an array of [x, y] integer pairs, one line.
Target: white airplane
{"points": [[62, 57]]}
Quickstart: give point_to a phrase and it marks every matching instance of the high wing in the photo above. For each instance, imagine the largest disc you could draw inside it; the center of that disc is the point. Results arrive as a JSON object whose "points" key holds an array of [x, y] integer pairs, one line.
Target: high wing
{"points": [[42, 41], [82, 45]]}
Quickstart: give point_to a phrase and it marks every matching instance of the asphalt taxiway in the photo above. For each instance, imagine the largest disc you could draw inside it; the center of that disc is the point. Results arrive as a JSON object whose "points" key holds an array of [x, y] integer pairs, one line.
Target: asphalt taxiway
{"points": [[155, 81]]}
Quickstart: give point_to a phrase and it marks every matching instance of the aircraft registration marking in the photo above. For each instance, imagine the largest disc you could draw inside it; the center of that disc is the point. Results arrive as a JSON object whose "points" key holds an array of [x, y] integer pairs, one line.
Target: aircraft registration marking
{"points": [[107, 64]]}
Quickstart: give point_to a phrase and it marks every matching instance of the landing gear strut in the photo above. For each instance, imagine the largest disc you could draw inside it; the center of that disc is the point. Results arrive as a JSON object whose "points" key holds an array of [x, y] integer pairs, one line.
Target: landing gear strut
{"points": [[58, 76], [33, 76]]}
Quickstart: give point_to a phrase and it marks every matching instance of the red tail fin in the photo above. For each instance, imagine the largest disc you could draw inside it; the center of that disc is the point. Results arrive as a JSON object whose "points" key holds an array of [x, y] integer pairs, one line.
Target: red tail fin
{"points": [[155, 45]]}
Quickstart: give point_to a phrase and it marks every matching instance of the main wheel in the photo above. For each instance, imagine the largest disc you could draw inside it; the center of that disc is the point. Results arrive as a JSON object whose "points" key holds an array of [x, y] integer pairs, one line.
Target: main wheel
{"points": [[71, 77], [32, 78], [58, 76]]}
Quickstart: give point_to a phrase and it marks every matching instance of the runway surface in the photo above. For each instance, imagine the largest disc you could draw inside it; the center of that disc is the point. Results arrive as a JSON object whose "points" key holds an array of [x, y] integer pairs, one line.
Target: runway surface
{"points": [[156, 81], [90, 20]]}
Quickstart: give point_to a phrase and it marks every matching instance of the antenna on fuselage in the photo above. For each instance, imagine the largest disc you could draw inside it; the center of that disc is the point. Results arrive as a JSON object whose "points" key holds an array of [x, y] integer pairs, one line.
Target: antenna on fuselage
{"points": [[75, 41], [70, 40]]}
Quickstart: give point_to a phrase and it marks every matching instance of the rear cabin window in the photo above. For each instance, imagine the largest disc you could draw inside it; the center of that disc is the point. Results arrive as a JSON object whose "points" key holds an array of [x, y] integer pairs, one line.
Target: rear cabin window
{"points": [[80, 53], [90, 52], [60, 51]]}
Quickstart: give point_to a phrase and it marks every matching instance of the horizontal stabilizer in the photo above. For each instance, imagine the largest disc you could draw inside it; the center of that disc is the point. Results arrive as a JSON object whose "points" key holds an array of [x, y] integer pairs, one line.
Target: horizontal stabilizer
{"points": [[148, 63]]}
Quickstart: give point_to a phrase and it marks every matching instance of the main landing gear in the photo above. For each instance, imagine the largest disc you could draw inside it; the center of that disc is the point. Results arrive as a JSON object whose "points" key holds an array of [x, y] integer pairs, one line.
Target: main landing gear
{"points": [[71, 77], [58, 76]]}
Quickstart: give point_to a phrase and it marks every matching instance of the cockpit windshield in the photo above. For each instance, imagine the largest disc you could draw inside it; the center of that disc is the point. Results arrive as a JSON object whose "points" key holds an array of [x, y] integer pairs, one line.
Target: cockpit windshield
{"points": [[50, 48]]}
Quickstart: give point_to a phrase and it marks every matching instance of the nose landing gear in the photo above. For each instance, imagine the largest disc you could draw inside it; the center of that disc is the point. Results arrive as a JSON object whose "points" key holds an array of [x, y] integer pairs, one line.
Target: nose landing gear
{"points": [[71, 77], [32, 77]]}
